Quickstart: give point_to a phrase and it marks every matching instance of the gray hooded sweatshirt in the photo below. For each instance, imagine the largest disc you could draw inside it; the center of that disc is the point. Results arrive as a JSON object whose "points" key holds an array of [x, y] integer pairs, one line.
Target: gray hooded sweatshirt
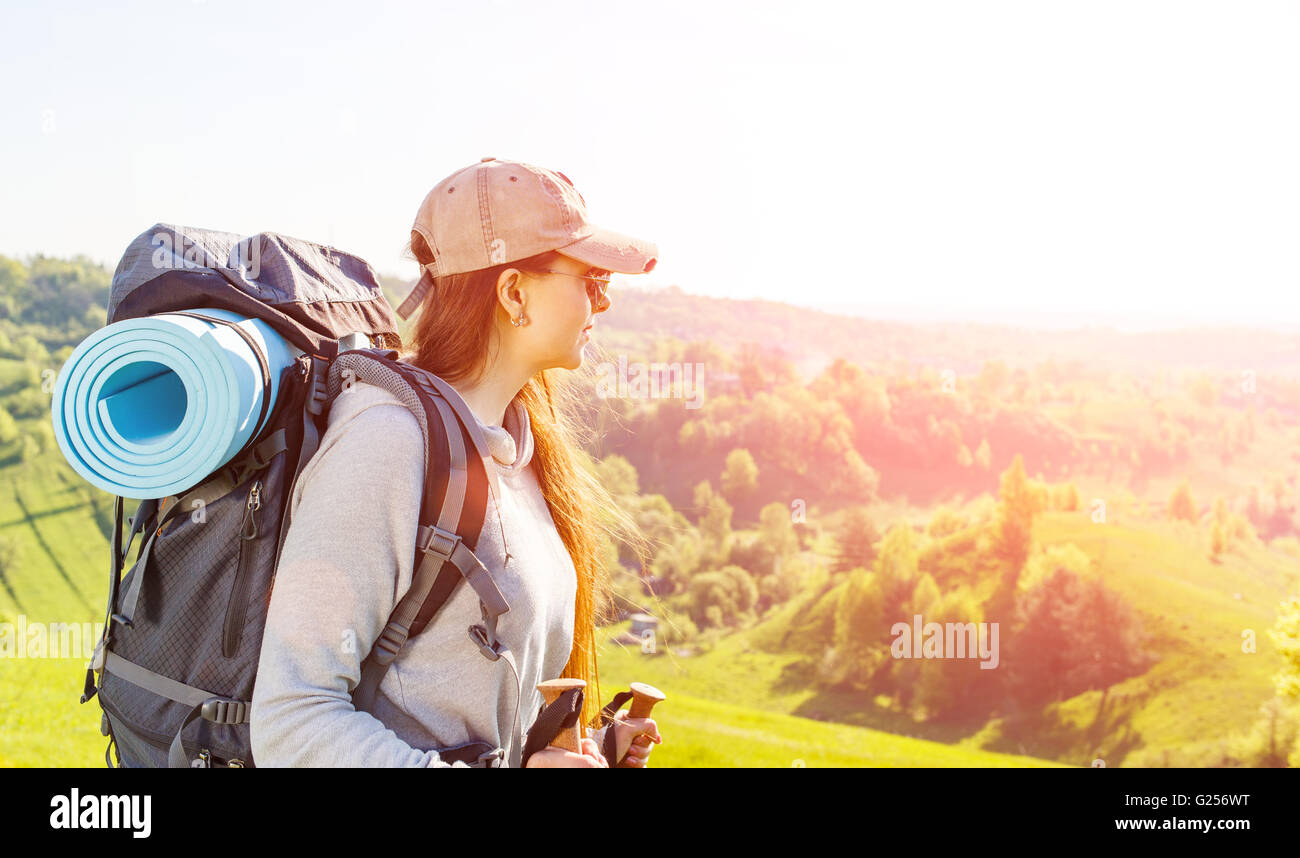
{"points": [[347, 561]]}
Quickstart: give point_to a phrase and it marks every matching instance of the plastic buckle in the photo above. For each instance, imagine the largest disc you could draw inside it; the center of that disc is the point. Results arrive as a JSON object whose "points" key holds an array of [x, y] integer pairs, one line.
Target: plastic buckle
{"points": [[478, 634], [440, 542], [496, 755], [220, 710], [317, 379]]}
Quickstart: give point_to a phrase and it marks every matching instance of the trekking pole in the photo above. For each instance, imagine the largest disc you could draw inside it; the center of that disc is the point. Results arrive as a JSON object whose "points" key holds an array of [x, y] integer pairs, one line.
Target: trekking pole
{"points": [[569, 739], [644, 698]]}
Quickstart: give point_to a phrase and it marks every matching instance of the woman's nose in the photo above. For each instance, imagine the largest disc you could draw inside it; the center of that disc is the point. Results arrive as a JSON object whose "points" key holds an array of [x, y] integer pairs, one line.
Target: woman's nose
{"points": [[603, 303]]}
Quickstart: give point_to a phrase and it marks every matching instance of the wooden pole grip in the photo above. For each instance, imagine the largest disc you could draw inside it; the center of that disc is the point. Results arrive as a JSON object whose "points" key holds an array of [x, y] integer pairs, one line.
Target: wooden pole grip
{"points": [[569, 739], [644, 698]]}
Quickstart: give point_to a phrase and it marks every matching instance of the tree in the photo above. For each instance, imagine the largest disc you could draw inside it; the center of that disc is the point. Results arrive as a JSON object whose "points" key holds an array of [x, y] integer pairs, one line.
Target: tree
{"points": [[905, 673], [781, 586], [739, 475], [1067, 498], [945, 688], [1274, 739], [1218, 542], [714, 521], [1221, 511], [1181, 504], [763, 368], [898, 566], [1073, 635], [1111, 642], [944, 522], [855, 541], [924, 599], [677, 547], [1042, 564], [859, 630], [764, 554], [1286, 637], [722, 598], [864, 398], [776, 531], [618, 475], [1019, 502]]}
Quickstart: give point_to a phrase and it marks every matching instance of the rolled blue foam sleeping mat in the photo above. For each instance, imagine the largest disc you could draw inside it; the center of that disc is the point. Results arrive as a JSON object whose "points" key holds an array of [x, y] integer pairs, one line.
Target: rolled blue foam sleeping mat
{"points": [[146, 408]]}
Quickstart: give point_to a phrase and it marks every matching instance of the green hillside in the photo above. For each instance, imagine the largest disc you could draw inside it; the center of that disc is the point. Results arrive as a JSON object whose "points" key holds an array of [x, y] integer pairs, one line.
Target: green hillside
{"points": [[703, 731], [1202, 689], [745, 701], [59, 527], [809, 503], [56, 526]]}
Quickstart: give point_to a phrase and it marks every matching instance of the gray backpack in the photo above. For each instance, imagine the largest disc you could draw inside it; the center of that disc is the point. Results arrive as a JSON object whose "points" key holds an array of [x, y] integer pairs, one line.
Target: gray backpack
{"points": [[175, 669]]}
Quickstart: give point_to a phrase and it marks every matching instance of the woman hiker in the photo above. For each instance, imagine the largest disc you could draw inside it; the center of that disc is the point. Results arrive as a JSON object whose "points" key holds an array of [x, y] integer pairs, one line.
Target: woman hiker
{"points": [[513, 275]]}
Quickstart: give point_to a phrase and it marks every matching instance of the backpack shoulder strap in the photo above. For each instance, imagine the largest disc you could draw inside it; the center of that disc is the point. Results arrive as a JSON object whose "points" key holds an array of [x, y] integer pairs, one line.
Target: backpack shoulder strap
{"points": [[456, 485]]}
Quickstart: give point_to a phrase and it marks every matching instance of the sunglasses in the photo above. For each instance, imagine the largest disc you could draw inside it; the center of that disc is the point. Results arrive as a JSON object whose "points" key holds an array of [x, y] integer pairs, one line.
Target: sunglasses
{"points": [[597, 286]]}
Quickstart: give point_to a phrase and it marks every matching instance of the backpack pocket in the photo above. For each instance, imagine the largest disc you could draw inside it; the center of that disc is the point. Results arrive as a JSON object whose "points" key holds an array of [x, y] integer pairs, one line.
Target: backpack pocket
{"points": [[250, 529], [198, 621]]}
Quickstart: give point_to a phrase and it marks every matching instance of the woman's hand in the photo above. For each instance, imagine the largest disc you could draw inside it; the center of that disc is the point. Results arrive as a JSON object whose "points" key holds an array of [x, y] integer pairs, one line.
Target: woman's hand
{"points": [[552, 757], [626, 729]]}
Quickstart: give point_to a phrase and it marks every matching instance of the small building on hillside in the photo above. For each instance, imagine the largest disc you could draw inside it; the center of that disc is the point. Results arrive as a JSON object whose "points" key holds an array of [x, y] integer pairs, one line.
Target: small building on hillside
{"points": [[643, 622]]}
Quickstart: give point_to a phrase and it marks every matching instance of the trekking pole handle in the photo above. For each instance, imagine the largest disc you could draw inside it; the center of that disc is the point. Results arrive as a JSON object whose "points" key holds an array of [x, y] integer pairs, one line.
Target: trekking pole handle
{"points": [[570, 739], [644, 698]]}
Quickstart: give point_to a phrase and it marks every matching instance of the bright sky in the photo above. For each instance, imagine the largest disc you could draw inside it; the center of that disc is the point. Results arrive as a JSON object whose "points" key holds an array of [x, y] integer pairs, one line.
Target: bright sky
{"points": [[1126, 162]]}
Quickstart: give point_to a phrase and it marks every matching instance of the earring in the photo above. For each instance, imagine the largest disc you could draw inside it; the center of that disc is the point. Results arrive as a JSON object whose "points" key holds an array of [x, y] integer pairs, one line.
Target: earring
{"points": [[520, 322]]}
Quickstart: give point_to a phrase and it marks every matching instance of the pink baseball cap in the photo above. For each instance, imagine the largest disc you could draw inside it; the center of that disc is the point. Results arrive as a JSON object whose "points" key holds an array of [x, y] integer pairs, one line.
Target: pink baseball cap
{"points": [[498, 211]]}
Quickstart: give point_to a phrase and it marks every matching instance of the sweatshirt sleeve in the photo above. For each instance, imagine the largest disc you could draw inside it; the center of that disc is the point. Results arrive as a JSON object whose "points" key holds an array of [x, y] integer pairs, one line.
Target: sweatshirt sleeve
{"points": [[346, 558]]}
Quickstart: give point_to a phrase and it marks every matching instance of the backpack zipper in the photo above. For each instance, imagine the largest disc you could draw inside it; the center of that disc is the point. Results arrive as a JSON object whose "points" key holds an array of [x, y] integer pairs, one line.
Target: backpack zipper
{"points": [[238, 607]]}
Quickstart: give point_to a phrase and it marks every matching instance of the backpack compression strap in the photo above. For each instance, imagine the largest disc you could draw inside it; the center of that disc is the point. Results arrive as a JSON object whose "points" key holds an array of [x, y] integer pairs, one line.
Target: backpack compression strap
{"points": [[315, 374]]}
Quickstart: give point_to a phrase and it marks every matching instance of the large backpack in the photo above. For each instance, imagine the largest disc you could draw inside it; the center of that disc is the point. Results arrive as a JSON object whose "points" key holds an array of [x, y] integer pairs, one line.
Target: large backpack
{"points": [[177, 662]]}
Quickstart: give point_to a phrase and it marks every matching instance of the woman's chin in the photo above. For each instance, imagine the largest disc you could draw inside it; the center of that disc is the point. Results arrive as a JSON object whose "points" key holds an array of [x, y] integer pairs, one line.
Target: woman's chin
{"points": [[573, 360], [576, 355]]}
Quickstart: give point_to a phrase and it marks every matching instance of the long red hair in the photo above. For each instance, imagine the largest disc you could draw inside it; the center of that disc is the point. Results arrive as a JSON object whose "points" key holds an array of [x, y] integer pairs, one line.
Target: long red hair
{"points": [[451, 338]]}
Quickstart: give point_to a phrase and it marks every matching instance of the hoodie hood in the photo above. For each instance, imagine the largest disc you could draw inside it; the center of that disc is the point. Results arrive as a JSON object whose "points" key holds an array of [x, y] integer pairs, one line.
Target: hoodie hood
{"points": [[511, 443]]}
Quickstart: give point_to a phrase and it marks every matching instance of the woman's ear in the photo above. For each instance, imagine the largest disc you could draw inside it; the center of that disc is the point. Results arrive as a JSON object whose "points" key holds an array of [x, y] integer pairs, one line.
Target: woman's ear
{"points": [[511, 292]]}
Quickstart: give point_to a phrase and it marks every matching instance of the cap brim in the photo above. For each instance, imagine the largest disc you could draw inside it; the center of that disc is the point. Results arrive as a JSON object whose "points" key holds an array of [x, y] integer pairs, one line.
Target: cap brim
{"points": [[613, 251]]}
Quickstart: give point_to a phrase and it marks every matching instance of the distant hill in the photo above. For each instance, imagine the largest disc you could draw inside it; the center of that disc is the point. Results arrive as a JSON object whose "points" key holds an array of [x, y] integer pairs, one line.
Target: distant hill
{"points": [[813, 338]]}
